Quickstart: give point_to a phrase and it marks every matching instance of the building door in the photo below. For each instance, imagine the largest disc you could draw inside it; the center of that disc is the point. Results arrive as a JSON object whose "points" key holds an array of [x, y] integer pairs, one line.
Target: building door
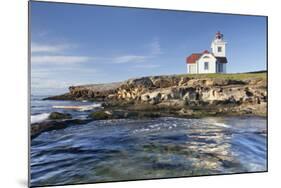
{"points": [[219, 67]]}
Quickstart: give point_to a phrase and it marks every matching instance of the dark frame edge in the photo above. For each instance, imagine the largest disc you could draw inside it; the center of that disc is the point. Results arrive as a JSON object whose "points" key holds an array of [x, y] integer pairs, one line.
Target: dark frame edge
{"points": [[29, 91], [267, 145]]}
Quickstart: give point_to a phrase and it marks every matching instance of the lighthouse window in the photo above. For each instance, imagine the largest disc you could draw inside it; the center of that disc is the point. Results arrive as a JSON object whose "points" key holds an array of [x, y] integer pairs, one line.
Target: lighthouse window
{"points": [[206, 65], [219, 49]]}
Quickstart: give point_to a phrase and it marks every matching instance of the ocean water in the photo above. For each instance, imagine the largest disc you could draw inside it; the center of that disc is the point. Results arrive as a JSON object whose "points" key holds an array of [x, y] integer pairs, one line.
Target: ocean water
{"points": [[41, 109], [125, 149]]}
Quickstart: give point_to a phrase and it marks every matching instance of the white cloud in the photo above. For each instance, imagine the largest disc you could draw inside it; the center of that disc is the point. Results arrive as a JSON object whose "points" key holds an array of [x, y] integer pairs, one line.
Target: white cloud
{"points": [[51, 72], [42, 53], [155, 47], [57, 59], [154, 50], [43, 77], [130, 59], [47, 83], [35, 47], [148, 66]]}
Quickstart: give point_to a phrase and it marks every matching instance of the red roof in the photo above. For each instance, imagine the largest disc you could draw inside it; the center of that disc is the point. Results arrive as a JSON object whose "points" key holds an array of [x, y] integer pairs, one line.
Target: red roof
{"points": [[195, 56]]}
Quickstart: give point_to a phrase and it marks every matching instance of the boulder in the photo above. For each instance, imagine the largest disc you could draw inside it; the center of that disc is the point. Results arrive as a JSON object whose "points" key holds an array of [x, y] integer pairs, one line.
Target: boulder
{"points": [[100, 115], [162, 82], [139, 82], [37, 128], [58, 116], [183, 81], [186, 112]]}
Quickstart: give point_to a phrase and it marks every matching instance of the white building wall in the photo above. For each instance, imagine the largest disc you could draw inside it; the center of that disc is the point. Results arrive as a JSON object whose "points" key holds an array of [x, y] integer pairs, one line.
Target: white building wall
{"points": [[191, 68], [219, 43], [212, 64]]}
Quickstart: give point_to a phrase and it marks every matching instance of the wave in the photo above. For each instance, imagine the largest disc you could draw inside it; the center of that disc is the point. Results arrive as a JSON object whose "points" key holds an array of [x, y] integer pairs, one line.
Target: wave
{"points": [[79, 108], [89, 107], [214, 121], [39, 117], [221, 125]]}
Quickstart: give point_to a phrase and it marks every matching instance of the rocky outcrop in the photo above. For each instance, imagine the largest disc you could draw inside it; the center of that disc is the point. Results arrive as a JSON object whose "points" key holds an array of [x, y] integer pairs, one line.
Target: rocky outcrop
{"points": [[66, 96], [232, 93], [49, 125], [94, 91]]}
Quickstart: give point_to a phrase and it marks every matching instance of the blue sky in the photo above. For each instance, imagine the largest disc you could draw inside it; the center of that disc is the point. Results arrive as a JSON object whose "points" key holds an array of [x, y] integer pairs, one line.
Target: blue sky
{"points": [[78, 44]]}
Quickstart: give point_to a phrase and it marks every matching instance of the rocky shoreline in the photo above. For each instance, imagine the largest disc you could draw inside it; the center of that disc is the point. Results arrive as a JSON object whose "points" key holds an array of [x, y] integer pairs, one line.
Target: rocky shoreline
{"points": [[229, 93], [187, 96]]}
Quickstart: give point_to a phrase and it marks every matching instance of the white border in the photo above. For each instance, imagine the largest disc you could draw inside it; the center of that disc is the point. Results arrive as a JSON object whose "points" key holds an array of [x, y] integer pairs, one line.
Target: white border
{"points": [[13, 15]]}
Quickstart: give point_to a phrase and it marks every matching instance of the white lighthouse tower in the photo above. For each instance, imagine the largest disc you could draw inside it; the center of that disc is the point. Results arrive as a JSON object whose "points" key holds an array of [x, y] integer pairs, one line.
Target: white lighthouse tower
{"points": [[218, 45]]}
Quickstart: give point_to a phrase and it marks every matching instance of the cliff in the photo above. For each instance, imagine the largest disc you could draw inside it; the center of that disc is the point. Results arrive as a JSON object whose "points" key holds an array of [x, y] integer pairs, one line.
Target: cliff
{"points": [[185, 94]]}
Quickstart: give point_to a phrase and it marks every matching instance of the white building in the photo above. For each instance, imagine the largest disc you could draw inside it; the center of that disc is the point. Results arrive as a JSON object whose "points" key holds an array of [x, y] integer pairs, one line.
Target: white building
{"points": [[209, 62]]}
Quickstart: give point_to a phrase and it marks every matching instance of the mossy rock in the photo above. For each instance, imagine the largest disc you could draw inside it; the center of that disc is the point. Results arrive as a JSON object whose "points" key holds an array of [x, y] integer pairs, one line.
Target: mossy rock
{"points": [[152, 115], [58, 115], [132, 114], [100, 115]]}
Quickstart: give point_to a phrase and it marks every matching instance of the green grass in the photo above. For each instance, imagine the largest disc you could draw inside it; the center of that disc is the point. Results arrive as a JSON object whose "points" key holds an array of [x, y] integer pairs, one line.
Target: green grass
{"points": [[236, 76]]}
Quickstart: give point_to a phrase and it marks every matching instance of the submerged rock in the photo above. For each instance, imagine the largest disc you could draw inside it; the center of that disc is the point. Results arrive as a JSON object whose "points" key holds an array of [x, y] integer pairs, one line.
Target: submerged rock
{"points": [[49, 125], [58, 115], [100, 115]]}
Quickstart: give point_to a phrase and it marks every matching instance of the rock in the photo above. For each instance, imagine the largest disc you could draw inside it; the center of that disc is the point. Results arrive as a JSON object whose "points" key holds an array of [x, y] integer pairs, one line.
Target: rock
{"points": [[139, 82], [196, 91], [209, 82], [186, 112], [131, 114], [66, 96], [191, 95], [100, 115], [248, 111], [119, 114], [162, 82], [183, 81], [38, 128], [172, 104], [94, 91], [151, 115], [58, 116], [111, 96]]}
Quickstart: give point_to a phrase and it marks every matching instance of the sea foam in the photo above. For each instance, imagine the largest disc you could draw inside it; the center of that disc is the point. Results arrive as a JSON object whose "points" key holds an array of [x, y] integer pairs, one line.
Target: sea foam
{"points": [[89, 107], [80, 108], [221, 125], [39, 117]]}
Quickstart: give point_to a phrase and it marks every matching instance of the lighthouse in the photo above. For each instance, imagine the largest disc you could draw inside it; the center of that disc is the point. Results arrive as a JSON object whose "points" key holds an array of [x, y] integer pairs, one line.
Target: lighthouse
{"points": [[218, 45], [209, 62]]}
